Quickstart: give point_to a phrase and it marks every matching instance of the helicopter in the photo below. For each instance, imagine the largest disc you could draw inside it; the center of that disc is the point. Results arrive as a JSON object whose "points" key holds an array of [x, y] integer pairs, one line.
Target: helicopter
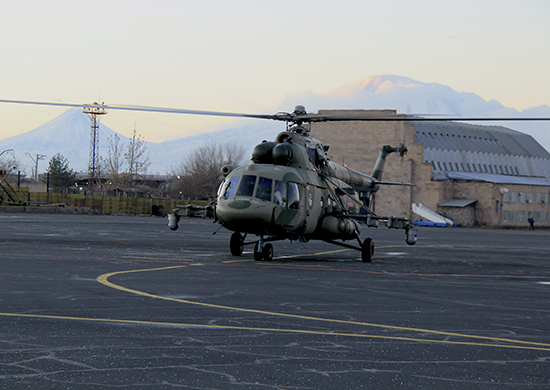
{"points": [[292, 190]]}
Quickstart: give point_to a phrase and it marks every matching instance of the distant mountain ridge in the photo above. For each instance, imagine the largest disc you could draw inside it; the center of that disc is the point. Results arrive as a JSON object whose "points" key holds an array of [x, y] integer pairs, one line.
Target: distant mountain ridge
{"points": [[69, 133]]}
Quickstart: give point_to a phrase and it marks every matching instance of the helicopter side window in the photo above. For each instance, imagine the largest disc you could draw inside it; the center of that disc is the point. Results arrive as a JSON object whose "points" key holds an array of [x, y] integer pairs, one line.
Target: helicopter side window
{"points": [[279, 195], [265, 186], [246, 188], [231, 186], [221, 188], [293, 196]]}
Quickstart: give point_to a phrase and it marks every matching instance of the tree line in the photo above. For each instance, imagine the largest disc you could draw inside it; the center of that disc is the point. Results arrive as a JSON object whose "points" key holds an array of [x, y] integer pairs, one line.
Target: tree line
{"points": [[196, 176]]}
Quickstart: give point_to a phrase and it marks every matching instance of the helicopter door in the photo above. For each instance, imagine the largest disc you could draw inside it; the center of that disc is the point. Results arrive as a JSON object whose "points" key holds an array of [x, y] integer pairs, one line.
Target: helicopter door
{"points": [[313, 206], [288, 197]]}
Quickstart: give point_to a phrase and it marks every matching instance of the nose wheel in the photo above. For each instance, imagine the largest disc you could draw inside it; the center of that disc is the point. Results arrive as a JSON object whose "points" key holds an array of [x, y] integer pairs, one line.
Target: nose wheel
{"points": [[263, 252]]}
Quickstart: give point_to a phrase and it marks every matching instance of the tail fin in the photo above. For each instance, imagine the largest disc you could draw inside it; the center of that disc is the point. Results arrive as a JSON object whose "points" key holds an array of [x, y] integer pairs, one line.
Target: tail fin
{"points": [[379, 166]]}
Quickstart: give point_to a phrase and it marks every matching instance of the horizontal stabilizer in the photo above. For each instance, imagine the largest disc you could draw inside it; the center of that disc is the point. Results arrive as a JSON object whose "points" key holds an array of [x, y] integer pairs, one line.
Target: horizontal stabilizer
{"points": [[393, 183]]}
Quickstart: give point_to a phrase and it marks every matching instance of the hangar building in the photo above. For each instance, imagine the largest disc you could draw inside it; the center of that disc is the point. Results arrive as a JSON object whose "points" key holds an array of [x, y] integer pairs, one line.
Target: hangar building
{"points": [[475, 175]]}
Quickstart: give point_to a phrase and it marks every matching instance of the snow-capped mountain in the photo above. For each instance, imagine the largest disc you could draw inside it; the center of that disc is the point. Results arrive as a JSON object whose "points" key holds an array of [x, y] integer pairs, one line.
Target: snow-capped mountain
{"points": [[409, 96], [69, 133]]}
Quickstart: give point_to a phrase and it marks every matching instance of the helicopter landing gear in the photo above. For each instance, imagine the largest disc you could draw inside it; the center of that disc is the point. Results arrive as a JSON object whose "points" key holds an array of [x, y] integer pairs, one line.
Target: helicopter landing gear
{"points": [[265, 253], [236, 244], [367, 250]]}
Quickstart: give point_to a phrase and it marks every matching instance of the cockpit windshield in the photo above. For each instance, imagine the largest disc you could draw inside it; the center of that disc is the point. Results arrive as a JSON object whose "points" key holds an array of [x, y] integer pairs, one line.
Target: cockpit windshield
{"points": [[231, 186], [246, 188], [264, 188]]}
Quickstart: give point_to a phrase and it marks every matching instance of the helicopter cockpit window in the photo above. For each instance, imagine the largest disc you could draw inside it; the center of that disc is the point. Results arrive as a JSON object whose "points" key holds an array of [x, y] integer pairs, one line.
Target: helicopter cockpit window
{"points": [[265, 186], [279, 195], [246, 188], [231, 186], [293, 196]]}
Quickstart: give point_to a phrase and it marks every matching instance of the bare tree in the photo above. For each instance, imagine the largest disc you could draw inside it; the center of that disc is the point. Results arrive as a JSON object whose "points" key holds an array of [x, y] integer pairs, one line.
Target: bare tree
{"points": [[199, 176], [10, 165], [136, 156], [113, 164]]}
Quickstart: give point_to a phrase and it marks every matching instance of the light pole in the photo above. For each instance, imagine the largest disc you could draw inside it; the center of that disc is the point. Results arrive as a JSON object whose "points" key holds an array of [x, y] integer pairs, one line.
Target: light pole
{"points": [[38, 158], [7, 150]]}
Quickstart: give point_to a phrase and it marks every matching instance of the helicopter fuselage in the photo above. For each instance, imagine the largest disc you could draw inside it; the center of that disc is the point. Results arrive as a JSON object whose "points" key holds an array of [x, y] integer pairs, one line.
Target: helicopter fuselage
{"points": [[282, 193]]}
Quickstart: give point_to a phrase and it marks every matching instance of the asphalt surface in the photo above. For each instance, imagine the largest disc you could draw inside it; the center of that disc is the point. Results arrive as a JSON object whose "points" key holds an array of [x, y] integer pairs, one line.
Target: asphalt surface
{"points": [[99, 302]]}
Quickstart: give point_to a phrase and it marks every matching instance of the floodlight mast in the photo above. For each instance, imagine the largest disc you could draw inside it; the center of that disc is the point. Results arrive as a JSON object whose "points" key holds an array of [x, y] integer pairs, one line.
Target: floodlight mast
{"points": [[95, 111]]}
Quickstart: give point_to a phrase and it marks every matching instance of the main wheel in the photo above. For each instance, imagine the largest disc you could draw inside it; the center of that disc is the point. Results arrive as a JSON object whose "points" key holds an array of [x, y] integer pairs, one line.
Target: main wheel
{"points": [[236, 244], [367, 250], [268, 252]]}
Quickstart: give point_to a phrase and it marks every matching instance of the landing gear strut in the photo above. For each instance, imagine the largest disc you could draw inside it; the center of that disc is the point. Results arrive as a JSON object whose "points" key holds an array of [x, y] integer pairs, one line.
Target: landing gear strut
{"points": [[263, 251]]}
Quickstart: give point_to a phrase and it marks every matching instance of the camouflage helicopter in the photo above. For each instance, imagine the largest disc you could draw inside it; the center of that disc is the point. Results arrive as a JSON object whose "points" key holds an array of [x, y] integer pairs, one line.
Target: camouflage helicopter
{"points": [[291, 190]]}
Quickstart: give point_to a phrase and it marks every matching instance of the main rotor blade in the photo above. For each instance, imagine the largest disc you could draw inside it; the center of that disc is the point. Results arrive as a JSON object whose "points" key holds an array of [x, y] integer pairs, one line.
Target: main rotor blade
{"points": [[283, 116], [406, 118], [279, 117]]}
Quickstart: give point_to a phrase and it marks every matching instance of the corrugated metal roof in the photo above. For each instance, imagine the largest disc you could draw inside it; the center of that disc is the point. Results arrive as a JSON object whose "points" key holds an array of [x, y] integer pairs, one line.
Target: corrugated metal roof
{"points": [[473, 149], [457, 202], [492, 178], [476, 138]]}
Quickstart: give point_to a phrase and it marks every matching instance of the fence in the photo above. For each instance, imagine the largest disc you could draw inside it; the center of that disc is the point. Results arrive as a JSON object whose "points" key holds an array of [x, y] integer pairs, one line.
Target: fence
{"points": [[108, 204]]}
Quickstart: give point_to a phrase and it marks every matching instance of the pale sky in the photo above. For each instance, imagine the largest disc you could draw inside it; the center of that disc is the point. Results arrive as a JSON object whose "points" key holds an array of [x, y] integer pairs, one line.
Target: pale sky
{"points": [[248, 56]]}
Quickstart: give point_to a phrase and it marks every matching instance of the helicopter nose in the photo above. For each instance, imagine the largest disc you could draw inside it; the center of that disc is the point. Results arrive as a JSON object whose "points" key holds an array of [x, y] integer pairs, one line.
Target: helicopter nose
{"points": [[244, 215]]}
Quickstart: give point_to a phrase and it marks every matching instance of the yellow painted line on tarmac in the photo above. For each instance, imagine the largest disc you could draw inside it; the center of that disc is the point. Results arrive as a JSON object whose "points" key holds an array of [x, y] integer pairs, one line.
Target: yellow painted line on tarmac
{"points": [[238, 261], [103, 279], [155, 258], [296, 331]]}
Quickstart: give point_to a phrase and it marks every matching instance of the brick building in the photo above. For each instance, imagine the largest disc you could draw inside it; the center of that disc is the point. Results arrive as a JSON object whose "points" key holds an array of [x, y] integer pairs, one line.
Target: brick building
{"points": [[475, 175]]}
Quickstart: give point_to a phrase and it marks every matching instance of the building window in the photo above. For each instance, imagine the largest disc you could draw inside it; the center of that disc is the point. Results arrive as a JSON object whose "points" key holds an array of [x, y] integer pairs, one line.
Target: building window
{"points": [[531, 197], [514, 197], [521, 216], [505, 216], [539, 197], [512, 216], [496, 206], [505, 197], [523, 197]]}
